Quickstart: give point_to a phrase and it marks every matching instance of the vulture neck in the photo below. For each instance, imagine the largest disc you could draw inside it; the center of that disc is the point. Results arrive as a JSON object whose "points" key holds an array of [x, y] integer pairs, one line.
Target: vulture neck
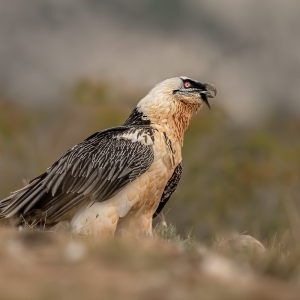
{"points": [[173, 122]]}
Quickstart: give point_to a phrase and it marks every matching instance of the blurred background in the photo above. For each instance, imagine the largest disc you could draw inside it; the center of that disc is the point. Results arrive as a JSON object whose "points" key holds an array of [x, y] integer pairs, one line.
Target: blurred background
{"points": [[69, 68]]}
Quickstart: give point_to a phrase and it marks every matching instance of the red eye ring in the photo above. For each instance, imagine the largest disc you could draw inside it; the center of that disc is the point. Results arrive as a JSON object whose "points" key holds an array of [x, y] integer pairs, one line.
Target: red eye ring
{"points": [[187, 85]]}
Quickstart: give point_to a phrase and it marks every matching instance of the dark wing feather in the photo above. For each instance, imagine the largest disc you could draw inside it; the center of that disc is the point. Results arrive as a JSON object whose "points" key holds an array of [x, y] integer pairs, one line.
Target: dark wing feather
{"points": [[97, 169], [169, 189]]}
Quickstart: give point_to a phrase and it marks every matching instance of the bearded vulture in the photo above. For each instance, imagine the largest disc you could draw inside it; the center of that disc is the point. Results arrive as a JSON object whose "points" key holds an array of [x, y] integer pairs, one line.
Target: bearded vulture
{"points": [[118, 178]]}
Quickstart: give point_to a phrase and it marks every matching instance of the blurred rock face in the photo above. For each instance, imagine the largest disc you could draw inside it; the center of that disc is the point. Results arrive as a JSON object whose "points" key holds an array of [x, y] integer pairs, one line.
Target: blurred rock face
{"points": [[248, 49]]}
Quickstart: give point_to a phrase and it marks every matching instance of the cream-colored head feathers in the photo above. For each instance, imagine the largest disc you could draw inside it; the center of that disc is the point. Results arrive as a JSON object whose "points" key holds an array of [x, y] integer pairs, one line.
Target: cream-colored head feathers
{"points": [[160, 99], [173, 102]]}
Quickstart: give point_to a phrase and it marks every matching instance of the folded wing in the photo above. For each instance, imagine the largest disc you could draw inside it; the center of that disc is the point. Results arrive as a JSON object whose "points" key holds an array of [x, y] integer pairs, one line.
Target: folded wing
{"points": [[169, 189], [96, 169]]}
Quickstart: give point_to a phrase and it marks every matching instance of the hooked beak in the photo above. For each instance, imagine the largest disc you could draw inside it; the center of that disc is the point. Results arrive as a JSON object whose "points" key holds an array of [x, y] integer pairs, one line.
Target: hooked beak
{"points": [[209, 92]]}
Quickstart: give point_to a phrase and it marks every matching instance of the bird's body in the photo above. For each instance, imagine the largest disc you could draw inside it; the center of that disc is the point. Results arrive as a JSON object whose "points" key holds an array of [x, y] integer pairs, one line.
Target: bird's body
{"points": [[119, 177]]}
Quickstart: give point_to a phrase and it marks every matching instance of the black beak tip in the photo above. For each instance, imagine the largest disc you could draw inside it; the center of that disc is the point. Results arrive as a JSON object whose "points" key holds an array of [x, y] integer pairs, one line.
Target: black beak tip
{"points": [[210, 92]]}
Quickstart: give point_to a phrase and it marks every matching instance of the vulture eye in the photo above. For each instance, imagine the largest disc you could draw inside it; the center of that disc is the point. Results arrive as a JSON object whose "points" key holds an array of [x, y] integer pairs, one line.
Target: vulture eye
{"points": [[187, 85]]}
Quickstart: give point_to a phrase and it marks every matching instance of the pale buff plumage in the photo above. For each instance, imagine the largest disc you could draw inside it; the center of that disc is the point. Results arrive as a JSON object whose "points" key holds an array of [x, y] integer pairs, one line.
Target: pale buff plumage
{"points": [[134, 206]]}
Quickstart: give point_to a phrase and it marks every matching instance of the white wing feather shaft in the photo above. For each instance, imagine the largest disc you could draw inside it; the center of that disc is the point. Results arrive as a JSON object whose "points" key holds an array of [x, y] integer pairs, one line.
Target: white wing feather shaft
{"points": [[98, 168]]}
